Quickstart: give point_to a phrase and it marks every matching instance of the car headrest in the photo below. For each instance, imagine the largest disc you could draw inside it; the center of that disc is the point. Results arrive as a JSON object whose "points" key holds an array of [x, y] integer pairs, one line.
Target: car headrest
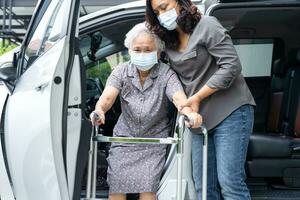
{"points": [[294, 58], [279, 67]]}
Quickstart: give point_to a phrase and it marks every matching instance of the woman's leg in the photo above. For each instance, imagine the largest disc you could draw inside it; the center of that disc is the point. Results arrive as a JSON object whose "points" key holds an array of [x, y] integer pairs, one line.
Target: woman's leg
{"points": [[213, 190], [117, 197], [231, 139], [147, 196]]}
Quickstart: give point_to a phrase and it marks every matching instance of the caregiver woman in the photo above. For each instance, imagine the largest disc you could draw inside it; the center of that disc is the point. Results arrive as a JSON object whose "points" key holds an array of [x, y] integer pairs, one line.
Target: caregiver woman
{"points": [[201, 52]]}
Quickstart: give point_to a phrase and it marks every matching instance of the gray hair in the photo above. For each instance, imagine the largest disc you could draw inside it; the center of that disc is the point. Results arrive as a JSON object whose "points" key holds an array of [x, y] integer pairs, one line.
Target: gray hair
{"points": [[142, 29]]}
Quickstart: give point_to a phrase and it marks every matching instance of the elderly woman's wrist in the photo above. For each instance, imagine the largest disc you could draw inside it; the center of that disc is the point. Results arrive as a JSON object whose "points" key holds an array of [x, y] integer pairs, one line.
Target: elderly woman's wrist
{"points": [[99, 111], [187, 110]]}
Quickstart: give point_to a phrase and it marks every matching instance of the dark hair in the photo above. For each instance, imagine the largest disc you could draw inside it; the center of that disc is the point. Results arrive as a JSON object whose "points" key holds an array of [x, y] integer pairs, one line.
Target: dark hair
{"points": [[187, 21]]}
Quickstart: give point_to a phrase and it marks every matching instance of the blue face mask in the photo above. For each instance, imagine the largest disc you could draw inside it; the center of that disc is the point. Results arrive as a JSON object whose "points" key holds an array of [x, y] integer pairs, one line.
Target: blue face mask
{"points": [[143, 61], [168, 19]]}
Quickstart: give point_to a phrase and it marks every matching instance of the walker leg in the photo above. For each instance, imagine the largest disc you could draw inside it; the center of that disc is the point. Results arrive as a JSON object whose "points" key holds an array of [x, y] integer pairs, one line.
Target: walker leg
{"points": [[94, 172], [179, 177], [90, 163], [180, 136], [204, 167]]}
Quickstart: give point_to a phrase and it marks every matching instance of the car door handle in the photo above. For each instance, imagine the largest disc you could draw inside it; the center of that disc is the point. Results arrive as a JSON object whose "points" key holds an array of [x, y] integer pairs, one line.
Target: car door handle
{"points": [[42, 86]]}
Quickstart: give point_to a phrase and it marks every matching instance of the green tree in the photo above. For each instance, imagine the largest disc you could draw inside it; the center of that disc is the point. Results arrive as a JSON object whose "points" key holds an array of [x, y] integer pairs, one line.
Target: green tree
{"points": [[7, 47], [99, 70]]}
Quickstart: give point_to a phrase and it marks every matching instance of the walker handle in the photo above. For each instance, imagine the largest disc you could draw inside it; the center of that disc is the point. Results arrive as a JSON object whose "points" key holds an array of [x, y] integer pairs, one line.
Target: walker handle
{"points": [[95, 116]]}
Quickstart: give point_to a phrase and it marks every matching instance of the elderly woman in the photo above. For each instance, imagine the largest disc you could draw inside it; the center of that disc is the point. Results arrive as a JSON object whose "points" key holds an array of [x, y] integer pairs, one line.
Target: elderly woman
{"points": [[145, 85]]}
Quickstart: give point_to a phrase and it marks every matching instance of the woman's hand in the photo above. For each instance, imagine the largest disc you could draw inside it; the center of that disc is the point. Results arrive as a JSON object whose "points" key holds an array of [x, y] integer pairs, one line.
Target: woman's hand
{"points": [[101, 117], [193, 102], [195, 120], [188, 107]]}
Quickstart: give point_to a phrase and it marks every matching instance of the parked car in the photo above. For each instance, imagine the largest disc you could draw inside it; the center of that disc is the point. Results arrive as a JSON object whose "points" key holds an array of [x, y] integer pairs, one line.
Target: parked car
{"points": [[60, 72]]}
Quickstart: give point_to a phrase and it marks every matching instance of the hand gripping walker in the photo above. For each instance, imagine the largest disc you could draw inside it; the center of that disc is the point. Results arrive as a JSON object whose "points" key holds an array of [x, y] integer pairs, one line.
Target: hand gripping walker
{"points": [[178, 139]]}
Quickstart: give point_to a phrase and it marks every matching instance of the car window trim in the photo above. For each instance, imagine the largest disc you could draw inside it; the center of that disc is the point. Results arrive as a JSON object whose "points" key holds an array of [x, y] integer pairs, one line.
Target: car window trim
{"points": [[36, 18], [72, 32], [49, 26]]}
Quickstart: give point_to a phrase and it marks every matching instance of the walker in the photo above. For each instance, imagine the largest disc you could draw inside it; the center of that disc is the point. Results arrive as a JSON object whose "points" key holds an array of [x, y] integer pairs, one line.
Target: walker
{"points": [[177, 140]]}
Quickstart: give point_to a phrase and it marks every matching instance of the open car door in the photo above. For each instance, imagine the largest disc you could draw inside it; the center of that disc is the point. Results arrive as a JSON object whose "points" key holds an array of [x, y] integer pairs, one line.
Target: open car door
{"points": [[43, 118]]}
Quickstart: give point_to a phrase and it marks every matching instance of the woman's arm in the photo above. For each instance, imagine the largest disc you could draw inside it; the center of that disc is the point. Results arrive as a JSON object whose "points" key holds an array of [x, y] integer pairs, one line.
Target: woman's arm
{"points": [[111, 91], [195, 100], [220, 46], [180, 99], [105, 102], [176, 94]]}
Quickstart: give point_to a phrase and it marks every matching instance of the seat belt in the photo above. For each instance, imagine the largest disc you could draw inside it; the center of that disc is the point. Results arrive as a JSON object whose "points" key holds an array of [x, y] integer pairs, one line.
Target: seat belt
{"points": [[285, 123]]}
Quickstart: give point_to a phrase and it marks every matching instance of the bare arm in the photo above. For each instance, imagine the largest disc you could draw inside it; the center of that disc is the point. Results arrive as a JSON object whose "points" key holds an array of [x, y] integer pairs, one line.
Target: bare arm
{"points": [[205, 91], [195, 100], [105, 102], [180, 99]]}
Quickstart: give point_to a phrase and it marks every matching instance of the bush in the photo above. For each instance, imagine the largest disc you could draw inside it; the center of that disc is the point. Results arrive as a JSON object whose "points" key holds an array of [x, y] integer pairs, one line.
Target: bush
{"points": [[100, 70], [7, 47]]}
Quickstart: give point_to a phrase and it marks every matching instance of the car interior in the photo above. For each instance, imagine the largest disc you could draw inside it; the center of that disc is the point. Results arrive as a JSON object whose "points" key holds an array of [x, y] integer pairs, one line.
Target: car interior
{"points": [[269, 50], [273, 159], [102, 50]]}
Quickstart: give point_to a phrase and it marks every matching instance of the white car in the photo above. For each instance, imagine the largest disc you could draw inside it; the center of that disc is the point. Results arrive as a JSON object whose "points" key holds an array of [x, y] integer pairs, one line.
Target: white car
{"points": [[62, 67], [3, 95]]}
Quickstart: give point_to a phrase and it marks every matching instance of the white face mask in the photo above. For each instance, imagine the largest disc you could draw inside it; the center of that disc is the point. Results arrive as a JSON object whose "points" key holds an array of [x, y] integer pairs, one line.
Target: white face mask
{"points": [[143, 61], [168, 19]]}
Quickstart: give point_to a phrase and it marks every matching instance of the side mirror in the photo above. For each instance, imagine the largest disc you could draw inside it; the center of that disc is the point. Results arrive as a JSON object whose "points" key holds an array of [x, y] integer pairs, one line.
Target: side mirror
{"points": [[15, 59], [8, 74], [96, 39]]}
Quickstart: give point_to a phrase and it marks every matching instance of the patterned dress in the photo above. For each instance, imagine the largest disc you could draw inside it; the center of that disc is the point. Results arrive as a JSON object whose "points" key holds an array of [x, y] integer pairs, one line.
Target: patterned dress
{"points": [[136, 168]]}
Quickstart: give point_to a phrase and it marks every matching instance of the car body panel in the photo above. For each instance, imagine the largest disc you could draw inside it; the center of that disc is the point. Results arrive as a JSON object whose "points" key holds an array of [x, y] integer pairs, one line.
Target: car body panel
{"points": [[34, 127], [30, 145], [6, 191], [167, 186], [3, 95]]}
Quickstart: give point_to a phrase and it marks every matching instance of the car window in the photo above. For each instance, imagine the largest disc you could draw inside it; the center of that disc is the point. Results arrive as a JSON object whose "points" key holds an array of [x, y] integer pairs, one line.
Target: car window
{"points": [[94, 49], [49, 30], [255, 55], [102, 68], [86, 43]]}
